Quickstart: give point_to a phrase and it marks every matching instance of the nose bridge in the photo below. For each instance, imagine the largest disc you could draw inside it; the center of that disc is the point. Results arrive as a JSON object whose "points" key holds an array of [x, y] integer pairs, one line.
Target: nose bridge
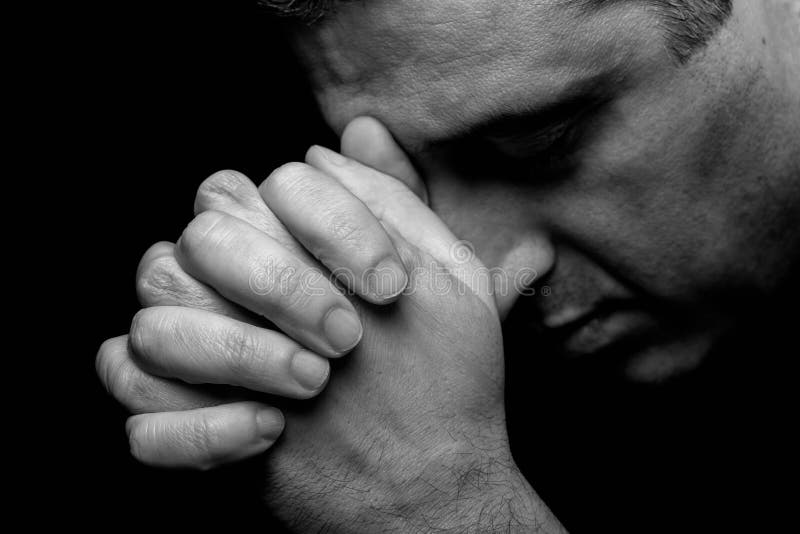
{"points": [[506, 223], [516, 244], [508, 228]]}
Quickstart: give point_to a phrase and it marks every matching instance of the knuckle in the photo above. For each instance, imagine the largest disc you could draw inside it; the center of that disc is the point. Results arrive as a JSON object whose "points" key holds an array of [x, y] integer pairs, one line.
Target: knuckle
{"points": [[345, 229], [130, 386], [296, 288], [138, 334], [219, 188], [205, 436], [137, 429], [106, 362], [207, 433], [206, 229], [158, 278], [290, 179], [240, 352], [145, 329], [161, 248], [163, 282], [286, 282], [121, 381]]}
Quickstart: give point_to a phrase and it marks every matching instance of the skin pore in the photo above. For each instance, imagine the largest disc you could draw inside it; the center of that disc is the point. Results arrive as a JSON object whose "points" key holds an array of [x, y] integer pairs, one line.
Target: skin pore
{"points": [[651, 198]]}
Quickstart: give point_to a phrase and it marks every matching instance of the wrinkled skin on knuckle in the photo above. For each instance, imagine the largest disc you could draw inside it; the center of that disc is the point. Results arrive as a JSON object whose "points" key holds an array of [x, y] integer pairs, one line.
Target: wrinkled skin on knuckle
{"points": [[123, 382], [293, 182], [136, 390], [149, 327], [139, 335], [344, 229], [304, 285], [205, 435], [159, 281], [291, 283], [137, 430], [209, 230], [107, 364], [162, 282], [239, 351], [219, 188]]}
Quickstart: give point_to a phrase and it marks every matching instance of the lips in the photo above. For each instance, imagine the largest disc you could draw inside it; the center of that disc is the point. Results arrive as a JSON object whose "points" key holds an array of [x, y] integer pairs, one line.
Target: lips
{"points": [[604, 326]]}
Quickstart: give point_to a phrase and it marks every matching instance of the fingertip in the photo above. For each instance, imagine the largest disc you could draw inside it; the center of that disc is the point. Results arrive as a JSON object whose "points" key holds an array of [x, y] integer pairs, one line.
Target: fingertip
{"points": [[343, 329], [310, 371], [364, 138], [368, 141], [270, 423], [362, 128], [386, 282]]}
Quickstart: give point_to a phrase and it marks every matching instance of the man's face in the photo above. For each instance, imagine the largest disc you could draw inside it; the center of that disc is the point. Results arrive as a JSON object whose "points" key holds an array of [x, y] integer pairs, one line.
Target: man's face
{"points": [[652, 198]]}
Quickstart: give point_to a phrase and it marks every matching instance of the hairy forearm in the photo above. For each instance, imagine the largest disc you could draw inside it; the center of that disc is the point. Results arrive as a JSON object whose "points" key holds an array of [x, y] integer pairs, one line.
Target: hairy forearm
{"points": [[471, 493], [458, 491], [484, 498]]}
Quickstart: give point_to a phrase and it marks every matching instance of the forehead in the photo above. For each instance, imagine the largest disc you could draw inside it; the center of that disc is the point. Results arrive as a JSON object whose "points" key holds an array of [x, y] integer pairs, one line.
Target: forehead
{"points": [[430, 68]]}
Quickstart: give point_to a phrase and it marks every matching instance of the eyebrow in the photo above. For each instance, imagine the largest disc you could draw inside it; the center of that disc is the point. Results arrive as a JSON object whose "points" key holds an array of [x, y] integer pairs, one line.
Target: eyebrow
{"points": [[542, 121]]}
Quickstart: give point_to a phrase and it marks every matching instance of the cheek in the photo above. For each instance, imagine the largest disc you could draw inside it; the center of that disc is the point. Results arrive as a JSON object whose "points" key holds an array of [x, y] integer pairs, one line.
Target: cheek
{"points": [[652, 206], [644, 223], [676, 192]]}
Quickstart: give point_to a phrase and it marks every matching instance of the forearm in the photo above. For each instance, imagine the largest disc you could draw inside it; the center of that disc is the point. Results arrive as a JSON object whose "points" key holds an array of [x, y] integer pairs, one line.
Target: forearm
{"points": [[458, 491], [483, 494]]}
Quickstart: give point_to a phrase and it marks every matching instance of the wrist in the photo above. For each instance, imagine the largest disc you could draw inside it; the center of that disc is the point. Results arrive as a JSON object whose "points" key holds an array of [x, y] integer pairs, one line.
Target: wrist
{"points": [[467, 490]]}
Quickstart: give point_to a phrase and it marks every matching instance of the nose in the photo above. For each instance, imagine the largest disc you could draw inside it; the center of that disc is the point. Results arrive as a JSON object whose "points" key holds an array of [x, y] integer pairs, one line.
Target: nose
{"points": [[520, 269]]}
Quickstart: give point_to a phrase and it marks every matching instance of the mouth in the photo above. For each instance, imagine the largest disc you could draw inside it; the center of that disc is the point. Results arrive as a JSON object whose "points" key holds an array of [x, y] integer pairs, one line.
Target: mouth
{"points": [[611, 324]]}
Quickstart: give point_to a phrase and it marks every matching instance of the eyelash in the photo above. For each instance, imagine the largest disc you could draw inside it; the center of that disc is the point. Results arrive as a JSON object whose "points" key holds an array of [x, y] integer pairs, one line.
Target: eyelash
{"points": [[556, 156], [551, 160], [560, 156]]}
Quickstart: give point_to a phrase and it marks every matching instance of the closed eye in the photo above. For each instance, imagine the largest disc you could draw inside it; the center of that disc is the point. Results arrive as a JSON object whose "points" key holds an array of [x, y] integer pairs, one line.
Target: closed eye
{"points": [[526, 145], [540, 143]]}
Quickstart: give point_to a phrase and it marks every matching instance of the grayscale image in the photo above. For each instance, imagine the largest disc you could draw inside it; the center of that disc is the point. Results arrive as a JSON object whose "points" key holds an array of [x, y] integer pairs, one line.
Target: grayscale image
{"points": [[454, 266]]}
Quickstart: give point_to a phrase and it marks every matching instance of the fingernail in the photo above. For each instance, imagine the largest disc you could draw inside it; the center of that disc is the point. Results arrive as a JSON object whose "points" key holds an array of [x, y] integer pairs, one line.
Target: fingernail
{"points": [[387, 280], [342, 328], [331, 156], [310, 370], [270, 423]]}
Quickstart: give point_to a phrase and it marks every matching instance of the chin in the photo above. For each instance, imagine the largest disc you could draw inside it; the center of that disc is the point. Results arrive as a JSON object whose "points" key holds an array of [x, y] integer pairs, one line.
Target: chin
{"points": [[668, 359], [638, 347]]}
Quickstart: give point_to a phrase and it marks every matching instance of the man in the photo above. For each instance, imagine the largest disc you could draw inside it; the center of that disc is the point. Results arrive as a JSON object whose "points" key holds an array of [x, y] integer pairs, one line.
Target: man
{"points": [[634, 164]]}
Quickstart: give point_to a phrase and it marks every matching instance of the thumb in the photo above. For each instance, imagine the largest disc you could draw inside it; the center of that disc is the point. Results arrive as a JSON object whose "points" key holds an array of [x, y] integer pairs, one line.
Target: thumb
{"points": [[368, 141]]}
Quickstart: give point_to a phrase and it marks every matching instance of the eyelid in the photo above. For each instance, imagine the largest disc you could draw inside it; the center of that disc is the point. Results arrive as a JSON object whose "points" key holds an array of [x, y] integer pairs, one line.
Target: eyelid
{"points": [[552, 141], [528, 144]]}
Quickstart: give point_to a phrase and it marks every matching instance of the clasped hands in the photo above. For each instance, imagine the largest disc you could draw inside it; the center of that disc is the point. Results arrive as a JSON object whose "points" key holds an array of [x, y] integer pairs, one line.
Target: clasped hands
{"points": [[335, 260]]}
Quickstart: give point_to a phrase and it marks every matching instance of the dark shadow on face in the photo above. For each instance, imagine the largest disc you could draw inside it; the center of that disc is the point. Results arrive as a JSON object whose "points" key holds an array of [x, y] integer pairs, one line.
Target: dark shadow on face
{"points": [[663, 207], [573, 144], [680, 456]]}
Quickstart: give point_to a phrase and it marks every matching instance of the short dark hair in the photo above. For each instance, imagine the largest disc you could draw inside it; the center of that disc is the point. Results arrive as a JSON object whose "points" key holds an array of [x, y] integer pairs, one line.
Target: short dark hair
{"points": [[688, 24], [307, 10]]}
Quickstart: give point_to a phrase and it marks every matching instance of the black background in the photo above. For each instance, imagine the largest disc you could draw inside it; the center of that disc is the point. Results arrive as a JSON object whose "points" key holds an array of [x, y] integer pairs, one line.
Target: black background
{"points": [[149, 99]]}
